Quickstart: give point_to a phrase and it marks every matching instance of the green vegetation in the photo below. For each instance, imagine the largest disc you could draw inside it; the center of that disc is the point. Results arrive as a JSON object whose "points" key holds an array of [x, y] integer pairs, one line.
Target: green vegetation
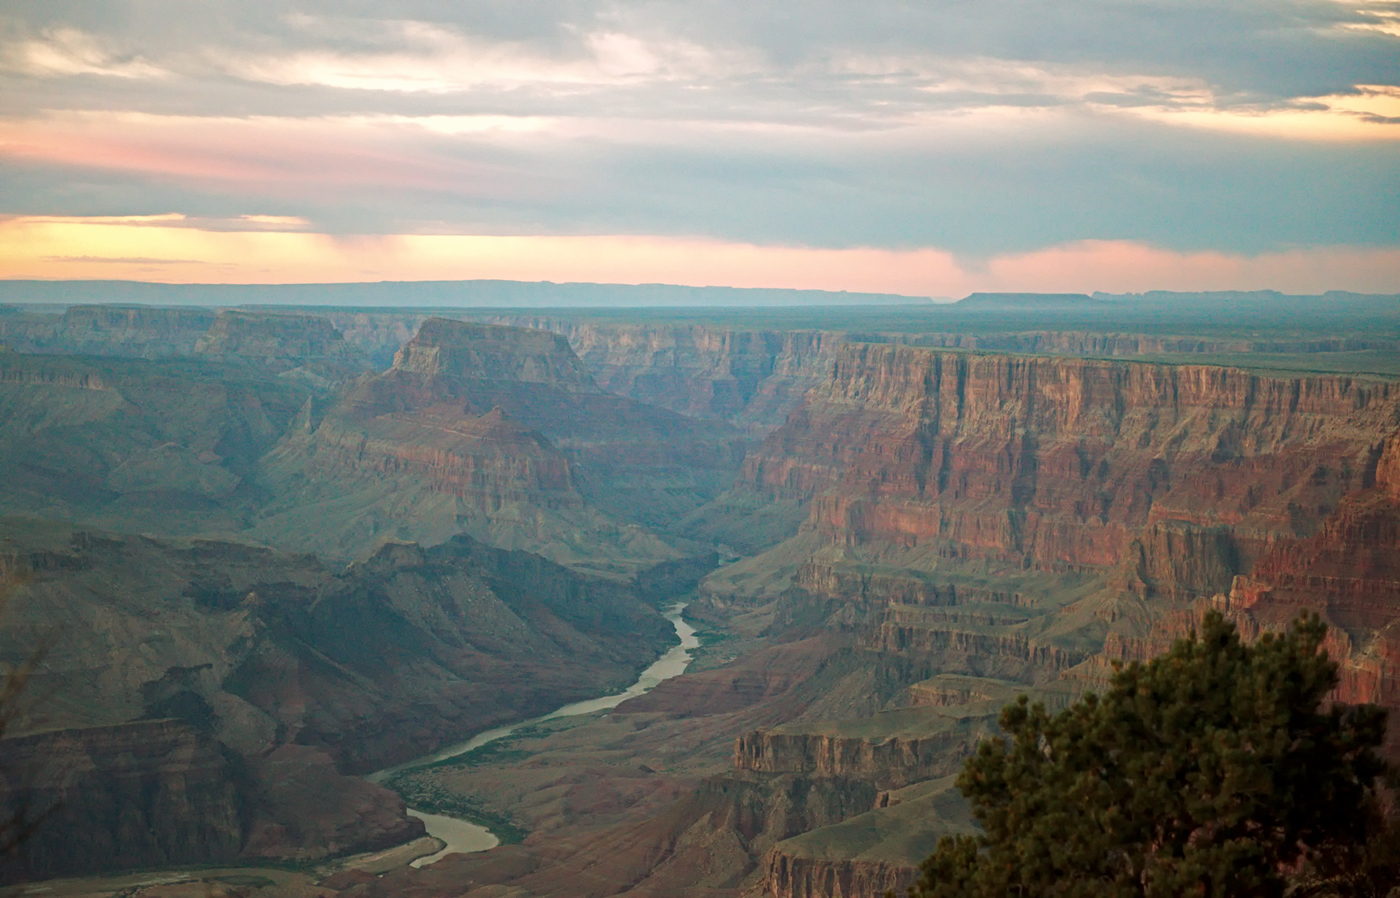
{"points": [[1212, 770], [502, 750], [425, 795]]}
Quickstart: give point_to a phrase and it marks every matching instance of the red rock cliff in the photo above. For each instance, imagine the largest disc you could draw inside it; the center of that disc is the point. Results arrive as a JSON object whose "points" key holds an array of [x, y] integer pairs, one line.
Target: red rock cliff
{"points": [[887, 762], [1066, 461]]}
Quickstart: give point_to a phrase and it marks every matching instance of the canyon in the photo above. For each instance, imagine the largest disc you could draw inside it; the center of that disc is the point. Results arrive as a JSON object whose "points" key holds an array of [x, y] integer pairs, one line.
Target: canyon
{"points": [[287, 549]]}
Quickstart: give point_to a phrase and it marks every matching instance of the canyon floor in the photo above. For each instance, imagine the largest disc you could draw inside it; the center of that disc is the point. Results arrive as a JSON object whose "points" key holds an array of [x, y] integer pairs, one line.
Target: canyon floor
{"points": [[273, 550]]}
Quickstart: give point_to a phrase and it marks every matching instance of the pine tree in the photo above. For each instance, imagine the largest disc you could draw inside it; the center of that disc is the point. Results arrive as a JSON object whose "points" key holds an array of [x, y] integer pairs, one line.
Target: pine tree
{"points": [[1212, 770]]}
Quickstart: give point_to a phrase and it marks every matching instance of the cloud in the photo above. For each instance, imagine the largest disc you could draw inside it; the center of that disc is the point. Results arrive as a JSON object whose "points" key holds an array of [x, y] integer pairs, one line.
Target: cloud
{"points": [[63, 52], [986, 130], [978, 183], [120, 260]]}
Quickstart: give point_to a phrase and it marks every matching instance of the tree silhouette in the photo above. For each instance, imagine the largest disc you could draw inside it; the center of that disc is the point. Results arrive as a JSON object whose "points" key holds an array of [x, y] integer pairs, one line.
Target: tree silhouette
{"points": [[1212, 770]]}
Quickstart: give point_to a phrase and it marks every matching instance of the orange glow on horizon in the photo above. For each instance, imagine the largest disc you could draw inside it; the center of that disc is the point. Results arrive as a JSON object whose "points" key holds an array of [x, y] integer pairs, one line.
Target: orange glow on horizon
{"points": [[159, 248]]}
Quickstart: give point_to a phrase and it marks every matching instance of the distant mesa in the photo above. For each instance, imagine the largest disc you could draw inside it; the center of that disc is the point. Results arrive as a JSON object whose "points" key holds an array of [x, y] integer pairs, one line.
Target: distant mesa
{"points": [[263, 335], [427, 294], [1030, 301], [281, 342], [468, 351]]}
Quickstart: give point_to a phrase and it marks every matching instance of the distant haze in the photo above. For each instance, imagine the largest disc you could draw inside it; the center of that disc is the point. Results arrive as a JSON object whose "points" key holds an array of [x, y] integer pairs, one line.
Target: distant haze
{"points": [[456, 294], [1253, 309]]}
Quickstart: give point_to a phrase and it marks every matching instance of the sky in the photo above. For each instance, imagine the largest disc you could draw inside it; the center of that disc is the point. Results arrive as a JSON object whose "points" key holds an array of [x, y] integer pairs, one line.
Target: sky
{"points": [[925, 148]]}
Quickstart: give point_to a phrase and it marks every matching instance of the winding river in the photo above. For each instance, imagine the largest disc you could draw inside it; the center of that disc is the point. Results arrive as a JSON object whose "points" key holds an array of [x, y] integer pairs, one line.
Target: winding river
{"points": [[461, 836]]}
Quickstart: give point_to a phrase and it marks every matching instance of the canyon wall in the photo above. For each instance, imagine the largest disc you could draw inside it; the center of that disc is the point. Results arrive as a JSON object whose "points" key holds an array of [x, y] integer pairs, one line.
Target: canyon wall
{"points": [[1007, 524], [130, 331], [144, 794], [306, 345], [160, 793], [500, 433], [1129, 345], [204, 701], [1066, 461], [887, 762], [788, 876], [169, 446], [750, 378], [1348, 572], [457, 349]]}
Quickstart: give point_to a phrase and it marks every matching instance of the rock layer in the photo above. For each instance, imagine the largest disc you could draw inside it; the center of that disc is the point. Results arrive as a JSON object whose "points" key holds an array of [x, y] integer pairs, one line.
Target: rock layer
{"points": [[1066, 461], [889, 763]]}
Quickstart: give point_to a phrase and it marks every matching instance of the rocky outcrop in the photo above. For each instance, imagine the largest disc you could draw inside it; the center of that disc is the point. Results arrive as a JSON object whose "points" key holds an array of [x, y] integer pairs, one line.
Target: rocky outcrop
{"points": [[866, 855], [832, 581], [788, 876], [488, 460], [889, 762], [461, 350], [987, 651], [766, 809], [952, 690], [1387, 473], [1182, 562]]}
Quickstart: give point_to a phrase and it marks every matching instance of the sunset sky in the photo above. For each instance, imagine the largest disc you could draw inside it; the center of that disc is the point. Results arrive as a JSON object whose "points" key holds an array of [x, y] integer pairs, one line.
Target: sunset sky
{"points": [[926, 148]]}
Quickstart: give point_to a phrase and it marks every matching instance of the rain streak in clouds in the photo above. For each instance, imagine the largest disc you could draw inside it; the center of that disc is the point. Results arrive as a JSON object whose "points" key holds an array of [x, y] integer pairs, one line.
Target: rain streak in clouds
{"points": [[927, 147]]}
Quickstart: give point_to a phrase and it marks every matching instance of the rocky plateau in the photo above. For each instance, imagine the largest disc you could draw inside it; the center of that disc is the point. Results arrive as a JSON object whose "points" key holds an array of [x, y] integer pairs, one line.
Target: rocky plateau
{"points": [[278, 550]]}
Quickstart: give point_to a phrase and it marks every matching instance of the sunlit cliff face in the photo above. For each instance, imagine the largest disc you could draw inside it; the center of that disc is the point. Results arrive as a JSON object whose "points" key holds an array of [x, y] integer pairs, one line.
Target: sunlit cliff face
{"points": [[918, 149]]}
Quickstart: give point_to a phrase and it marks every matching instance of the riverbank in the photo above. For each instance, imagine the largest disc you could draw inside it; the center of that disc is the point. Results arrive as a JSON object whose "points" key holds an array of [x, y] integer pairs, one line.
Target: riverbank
{"points": [[461, 824]]}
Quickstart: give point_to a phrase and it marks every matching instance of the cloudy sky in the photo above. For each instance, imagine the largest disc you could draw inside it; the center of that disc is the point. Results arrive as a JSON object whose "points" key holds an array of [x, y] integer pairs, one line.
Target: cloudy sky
{"points": [[928, 148]]}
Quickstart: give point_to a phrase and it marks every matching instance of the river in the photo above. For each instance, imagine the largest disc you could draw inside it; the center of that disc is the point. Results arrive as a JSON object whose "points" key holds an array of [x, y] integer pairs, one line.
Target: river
{"points": [[463, 837]]}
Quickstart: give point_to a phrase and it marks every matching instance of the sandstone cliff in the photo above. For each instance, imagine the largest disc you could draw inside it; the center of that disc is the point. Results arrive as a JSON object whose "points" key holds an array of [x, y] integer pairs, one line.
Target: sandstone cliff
{"points": [[1066, 461], [869, 854], [1348, 572], [888, 762], [1176, 478], [1006, 524]]}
